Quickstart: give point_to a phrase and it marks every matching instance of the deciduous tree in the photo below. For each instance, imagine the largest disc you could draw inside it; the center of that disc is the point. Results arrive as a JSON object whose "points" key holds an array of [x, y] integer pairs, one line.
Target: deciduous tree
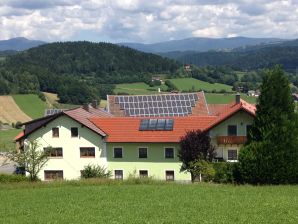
{"points": [[195, 146]]}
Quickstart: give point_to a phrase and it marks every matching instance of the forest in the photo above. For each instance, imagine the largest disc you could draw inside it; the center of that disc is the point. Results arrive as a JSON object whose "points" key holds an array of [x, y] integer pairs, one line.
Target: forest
{"points": [[79, 71]]}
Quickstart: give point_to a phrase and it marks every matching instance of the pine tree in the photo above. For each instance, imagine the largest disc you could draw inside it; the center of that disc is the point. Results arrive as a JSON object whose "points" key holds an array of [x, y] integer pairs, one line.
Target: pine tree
{"points": [[271, 155]]}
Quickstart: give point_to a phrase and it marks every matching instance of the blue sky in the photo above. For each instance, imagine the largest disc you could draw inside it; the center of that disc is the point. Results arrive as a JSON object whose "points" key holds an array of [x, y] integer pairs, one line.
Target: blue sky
{"points": [[146, 21]]}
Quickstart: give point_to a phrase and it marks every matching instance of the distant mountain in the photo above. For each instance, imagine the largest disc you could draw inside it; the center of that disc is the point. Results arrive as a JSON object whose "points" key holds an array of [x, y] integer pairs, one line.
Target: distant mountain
{"points": [[200, 44], [19, 44], [255, 57]]}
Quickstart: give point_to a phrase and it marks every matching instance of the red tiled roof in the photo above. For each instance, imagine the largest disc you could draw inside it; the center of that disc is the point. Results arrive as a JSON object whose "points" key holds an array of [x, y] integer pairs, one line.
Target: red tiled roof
{"points": [[126, 129], [231, 109], [78, 114], [19, 136]]}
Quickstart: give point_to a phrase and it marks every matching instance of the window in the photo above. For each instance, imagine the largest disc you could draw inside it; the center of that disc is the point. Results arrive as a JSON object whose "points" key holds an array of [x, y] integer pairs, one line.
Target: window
{"points": [[248, 129], [118, 174], [118, 153], [142, 152], [53, 174], [232, 130], [143, 173], [87, 152], [54, 152], [169, 175], [232, 154], [55, 132], [169, 153], [74, 132]]}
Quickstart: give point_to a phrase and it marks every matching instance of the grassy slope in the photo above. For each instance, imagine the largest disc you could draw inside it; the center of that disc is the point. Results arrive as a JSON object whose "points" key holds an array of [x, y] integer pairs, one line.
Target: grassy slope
{"points": [[137, 88], [189, 83], [30, 104], [226, 98], [155, 203], [6, 139]]}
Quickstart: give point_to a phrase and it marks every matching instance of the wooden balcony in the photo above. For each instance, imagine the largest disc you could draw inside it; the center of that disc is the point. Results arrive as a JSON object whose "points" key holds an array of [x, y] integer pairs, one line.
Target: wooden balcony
{"points": [[231, 140]]}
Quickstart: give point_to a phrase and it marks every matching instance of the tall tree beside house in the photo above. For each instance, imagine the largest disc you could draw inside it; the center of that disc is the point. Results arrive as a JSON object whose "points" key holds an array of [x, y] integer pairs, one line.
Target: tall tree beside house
{"points": [[194, 147], [271, 154], [32, 159]]}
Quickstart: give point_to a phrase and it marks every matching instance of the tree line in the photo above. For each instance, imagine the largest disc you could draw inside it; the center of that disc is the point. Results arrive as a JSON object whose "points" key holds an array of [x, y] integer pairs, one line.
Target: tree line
{"points": [[78, 71]]}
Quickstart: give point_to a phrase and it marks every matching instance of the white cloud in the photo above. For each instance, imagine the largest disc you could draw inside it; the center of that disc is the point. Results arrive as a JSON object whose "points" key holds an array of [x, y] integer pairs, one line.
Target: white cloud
{"points": [[147, 21]]}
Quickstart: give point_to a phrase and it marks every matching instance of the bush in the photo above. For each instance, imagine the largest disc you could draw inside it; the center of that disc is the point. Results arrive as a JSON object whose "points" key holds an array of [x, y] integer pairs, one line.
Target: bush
{"points": [[18, 125], [95, 171], [226, 172], [10, 178], [41, 96]]}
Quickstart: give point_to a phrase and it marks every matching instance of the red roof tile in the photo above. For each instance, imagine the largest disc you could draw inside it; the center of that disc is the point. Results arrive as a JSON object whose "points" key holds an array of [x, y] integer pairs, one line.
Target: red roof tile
{"points": [[126, 129]]}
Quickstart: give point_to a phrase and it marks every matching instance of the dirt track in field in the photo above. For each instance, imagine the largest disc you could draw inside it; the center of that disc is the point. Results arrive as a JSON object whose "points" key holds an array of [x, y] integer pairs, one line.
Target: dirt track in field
{"points": [[10, 112]]}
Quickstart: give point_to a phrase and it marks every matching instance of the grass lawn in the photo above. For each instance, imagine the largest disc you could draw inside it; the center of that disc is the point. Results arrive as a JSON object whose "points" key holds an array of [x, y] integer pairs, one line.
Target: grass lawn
{"points": [[190, 83], [215, 98], [30, 104], [138, 88], [6, 139], [147, 203]]}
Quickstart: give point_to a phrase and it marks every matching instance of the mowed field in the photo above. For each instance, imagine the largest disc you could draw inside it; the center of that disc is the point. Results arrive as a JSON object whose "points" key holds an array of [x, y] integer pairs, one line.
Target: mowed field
{"points": [[30, 104], [138, 88], [121, 202], [10, 112], [187, 84]]}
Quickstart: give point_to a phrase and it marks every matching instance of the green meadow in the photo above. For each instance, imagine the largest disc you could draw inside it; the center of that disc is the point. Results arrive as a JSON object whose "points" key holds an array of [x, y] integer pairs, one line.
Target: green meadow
{"points": [[186, 84], [30, 104], [124, 202], [6, 139], [215, 98], [138, 88]]}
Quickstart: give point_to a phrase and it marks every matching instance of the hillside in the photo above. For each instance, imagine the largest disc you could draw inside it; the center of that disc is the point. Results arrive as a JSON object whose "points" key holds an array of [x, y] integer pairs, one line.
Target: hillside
{"points": [[19, 44], [79, 71], [200, 44], [249, 59]]}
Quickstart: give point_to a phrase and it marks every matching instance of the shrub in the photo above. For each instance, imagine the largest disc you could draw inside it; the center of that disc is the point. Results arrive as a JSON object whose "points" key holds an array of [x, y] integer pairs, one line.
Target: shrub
{"points": [[225, 172], [18, 125], [95, 171], [10, 178], [41, 96]]}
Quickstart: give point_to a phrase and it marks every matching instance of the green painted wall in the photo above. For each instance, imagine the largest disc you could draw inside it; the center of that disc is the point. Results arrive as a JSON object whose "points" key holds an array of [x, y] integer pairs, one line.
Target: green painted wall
{"points": [[241, 119], [156, 163]]}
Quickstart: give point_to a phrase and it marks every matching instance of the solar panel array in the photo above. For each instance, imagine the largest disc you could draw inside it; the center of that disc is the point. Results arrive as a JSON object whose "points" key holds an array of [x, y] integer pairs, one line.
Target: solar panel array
{"points": [[156, 125], [157, 105], [49, 112]]}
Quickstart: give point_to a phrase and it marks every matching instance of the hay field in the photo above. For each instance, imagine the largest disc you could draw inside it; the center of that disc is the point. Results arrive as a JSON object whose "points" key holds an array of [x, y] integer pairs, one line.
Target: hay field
{"points": [[10, 112]]}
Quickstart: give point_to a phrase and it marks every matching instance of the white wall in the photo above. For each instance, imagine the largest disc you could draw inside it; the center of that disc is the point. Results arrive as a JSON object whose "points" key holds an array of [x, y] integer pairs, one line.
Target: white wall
{"points": [[71, 163]]}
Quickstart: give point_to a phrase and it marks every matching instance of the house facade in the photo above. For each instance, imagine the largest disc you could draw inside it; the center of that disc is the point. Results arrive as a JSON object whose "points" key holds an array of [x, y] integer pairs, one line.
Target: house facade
{"points": [[145, 146]]}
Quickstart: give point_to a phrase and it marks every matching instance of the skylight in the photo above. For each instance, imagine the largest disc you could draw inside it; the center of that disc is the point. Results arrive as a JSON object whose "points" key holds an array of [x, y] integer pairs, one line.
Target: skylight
{"points": [[156, 125]]}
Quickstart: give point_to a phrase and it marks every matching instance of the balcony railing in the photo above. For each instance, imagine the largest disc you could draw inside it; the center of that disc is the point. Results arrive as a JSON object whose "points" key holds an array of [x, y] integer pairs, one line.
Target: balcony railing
{"points": [[233, 140]]}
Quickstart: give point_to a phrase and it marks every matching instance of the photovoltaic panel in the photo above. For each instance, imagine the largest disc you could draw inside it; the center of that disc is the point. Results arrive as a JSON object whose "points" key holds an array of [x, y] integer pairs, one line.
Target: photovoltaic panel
{"points": [[158, 105]]}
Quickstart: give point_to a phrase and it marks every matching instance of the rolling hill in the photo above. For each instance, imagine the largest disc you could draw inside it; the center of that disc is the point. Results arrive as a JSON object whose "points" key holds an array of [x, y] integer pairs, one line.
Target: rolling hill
{"points": [[200, 44], [19, 44], [244, 59]]}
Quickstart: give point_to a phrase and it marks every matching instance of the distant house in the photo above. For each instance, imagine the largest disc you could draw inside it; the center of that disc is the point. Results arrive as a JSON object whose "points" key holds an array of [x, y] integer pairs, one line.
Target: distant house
{"points": [[137, 133], [254, 93], [157, 78], [187, 67]]}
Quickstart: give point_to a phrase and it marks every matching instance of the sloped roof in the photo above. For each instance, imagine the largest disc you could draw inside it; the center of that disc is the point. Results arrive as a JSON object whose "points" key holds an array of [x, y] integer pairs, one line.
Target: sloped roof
{"points": [[126, 129], [78, 114], [199, 107]]}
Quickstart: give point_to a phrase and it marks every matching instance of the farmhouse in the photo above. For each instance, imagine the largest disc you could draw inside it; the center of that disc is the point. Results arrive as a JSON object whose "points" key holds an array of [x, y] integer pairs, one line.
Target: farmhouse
{"points": [[137, 134]]}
